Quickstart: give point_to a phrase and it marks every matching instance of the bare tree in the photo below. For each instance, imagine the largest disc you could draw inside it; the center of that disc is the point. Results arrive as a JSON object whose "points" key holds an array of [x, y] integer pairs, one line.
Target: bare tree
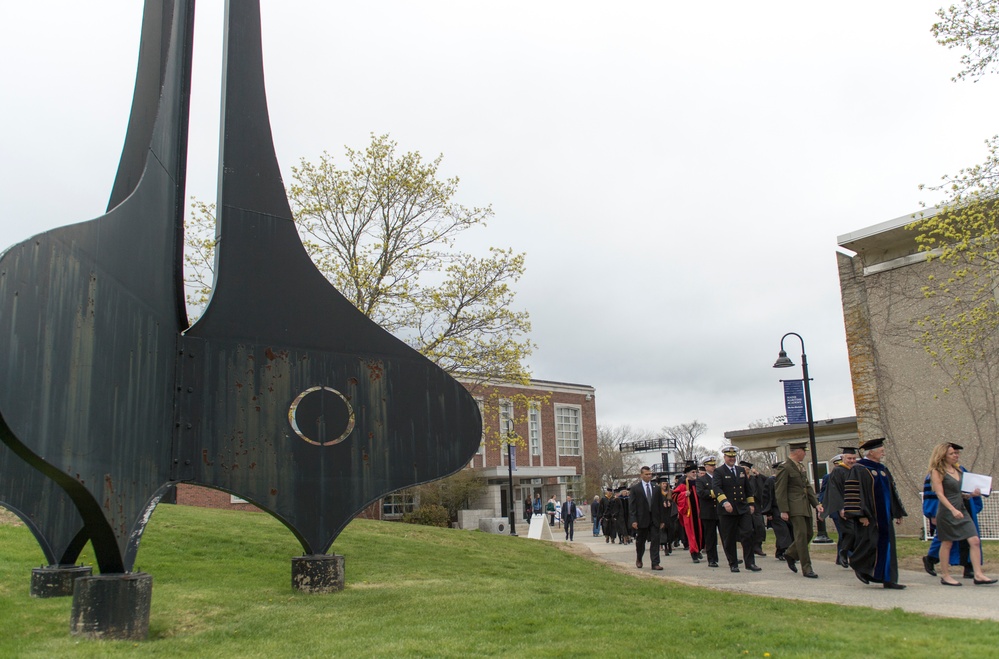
{"points": [[610, 464], [685, 435], [768, 422], [763, 461]]}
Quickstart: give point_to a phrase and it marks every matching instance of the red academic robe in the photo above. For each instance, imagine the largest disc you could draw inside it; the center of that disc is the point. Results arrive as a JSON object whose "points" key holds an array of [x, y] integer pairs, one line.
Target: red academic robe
{"points": [[689, 512]]}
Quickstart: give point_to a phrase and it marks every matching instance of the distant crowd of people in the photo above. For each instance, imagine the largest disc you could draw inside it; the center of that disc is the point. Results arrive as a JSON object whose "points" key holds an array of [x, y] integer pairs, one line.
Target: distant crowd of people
{"points": [[735, 502]]}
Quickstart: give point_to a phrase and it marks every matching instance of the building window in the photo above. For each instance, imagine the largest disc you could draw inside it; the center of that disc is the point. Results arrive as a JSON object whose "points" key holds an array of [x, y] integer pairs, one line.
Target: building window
{"points": [[573, 486], [534, 428], [568, 431], [505, 417], [398, 504]]}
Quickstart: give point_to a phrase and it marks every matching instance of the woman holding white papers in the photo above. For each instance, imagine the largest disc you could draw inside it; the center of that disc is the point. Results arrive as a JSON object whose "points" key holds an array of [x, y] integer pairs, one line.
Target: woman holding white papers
{"points": [[953, 523]]}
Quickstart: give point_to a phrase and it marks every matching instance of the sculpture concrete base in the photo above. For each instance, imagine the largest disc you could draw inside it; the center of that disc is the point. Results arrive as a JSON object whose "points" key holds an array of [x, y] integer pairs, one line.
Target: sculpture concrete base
{"points": [[57, 580], [112, 606], [317, 573]]}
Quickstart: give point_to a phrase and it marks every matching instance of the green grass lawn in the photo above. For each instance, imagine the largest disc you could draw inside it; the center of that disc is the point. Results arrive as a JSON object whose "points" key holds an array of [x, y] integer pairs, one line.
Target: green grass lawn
{"points": [[222, 588]]}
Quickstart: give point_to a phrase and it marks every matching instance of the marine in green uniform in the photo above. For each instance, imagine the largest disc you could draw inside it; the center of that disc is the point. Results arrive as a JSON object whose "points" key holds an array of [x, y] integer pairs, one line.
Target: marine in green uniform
{"points": [[796, 499]]}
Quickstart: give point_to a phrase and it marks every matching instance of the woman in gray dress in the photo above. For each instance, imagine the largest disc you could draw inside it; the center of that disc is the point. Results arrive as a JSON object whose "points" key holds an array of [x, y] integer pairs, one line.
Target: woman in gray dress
{"points": [[953, 523]]}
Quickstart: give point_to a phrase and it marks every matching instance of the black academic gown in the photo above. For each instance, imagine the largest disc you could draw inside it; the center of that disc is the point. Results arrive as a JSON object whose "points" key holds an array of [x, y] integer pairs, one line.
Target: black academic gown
{"points": [[870, 493]]}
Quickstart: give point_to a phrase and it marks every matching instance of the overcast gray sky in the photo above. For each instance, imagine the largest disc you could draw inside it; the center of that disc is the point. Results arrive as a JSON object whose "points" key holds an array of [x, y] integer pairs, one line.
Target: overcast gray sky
{"points": [[677, 173]]}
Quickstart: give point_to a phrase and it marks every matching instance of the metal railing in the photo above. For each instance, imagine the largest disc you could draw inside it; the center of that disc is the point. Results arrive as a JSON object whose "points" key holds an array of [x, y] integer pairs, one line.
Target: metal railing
{"points": [[988, 520]]}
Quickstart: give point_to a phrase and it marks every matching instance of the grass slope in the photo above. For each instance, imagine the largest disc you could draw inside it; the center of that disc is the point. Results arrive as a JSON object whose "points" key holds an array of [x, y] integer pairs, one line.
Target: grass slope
{"points": [[222, 588]]}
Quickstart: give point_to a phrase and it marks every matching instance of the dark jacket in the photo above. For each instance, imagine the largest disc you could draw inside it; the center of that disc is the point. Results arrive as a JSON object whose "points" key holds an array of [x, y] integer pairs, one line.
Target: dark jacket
{"points": [[732, 486], [569, 512], [706, 497], [610, 507], [640, 510]]}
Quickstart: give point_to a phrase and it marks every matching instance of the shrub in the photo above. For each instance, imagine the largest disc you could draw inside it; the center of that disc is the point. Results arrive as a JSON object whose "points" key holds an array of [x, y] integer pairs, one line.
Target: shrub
{"points": [[429, 515]]}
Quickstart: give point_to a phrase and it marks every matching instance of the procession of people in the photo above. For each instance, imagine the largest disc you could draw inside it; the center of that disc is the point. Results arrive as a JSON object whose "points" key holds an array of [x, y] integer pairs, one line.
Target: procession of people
{"points": [[735, 503]]}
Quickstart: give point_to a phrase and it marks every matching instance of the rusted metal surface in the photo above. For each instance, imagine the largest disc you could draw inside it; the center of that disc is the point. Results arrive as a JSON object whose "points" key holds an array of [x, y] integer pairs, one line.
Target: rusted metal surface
{"points": [[90, 316], [274, 329], [283, 393]]}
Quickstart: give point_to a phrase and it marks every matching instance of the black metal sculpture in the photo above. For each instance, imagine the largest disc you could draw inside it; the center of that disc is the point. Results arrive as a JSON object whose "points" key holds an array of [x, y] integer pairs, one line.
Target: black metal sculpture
{"points": [[282, 393], [44, 507]]}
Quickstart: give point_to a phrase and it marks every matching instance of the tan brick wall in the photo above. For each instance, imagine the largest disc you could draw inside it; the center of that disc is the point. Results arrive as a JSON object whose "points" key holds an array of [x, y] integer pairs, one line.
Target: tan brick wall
{"points": [[898, 391]]}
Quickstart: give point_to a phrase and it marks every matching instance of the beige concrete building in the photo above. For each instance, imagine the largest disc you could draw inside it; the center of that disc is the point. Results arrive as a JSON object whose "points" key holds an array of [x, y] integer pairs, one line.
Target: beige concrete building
{"points": [[830, 434], [899, 390]]}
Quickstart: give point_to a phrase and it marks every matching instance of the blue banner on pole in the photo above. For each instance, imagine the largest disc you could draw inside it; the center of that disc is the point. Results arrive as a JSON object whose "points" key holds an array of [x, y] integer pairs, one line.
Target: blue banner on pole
{"points": [[794, 401]]}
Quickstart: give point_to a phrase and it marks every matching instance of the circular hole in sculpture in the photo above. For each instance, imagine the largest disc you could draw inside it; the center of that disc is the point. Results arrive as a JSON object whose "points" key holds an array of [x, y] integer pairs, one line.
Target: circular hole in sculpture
{"points": [[321, 416]]}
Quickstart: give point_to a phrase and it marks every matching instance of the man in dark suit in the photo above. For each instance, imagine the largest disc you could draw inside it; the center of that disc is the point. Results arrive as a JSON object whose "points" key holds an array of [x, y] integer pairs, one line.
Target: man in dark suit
{"points": [[782, 532], [645, 514], [757, 483], [735, 510], [708, 507], [568, 517]]}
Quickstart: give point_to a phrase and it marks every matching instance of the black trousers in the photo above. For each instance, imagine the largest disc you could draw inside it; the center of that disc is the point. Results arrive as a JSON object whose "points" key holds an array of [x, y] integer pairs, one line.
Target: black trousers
{"points": [[609, 526], [650, 534], [710, 548], [782, 534], [844, 543], [759, 531], [737, 529]]}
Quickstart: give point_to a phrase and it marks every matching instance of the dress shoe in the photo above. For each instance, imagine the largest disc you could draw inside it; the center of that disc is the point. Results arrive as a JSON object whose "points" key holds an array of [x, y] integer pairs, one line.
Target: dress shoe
{"points": [[754, 568], [779, 557], [734, 568], [984, 582], [891, 585], [810, 575], [969, 572], [657, 568], [928, 566], [947, 583], [790, 563], [863, 577], [712, 563], [695, 559], [638, 564], [607, 539], [759, 552]]}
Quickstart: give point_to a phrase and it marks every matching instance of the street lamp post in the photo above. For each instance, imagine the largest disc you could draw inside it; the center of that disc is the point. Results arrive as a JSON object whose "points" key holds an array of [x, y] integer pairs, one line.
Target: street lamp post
{"points": [[784, 362], [509, 466]]}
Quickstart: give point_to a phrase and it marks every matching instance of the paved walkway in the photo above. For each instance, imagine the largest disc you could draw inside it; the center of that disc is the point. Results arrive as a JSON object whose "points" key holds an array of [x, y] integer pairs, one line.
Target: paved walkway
{"points": [[923, 594]]}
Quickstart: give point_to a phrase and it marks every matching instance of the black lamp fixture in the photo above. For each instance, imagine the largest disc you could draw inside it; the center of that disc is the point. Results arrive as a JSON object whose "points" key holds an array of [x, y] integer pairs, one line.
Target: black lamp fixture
{"points": [[508, 422], [783, 361]]}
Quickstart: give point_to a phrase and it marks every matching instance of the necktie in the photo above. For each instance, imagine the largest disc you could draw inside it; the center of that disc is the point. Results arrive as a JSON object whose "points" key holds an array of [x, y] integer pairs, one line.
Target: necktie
{"points": [[648, 493]]}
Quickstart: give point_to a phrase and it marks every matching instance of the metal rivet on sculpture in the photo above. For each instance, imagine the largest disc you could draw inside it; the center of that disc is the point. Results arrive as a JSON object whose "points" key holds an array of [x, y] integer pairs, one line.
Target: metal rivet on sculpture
{"points": [[282, 393]]}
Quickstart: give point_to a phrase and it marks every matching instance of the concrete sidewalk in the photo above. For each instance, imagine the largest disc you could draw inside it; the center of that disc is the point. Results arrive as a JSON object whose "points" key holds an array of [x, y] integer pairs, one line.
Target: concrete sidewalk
{"points": [[835, 585]]}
